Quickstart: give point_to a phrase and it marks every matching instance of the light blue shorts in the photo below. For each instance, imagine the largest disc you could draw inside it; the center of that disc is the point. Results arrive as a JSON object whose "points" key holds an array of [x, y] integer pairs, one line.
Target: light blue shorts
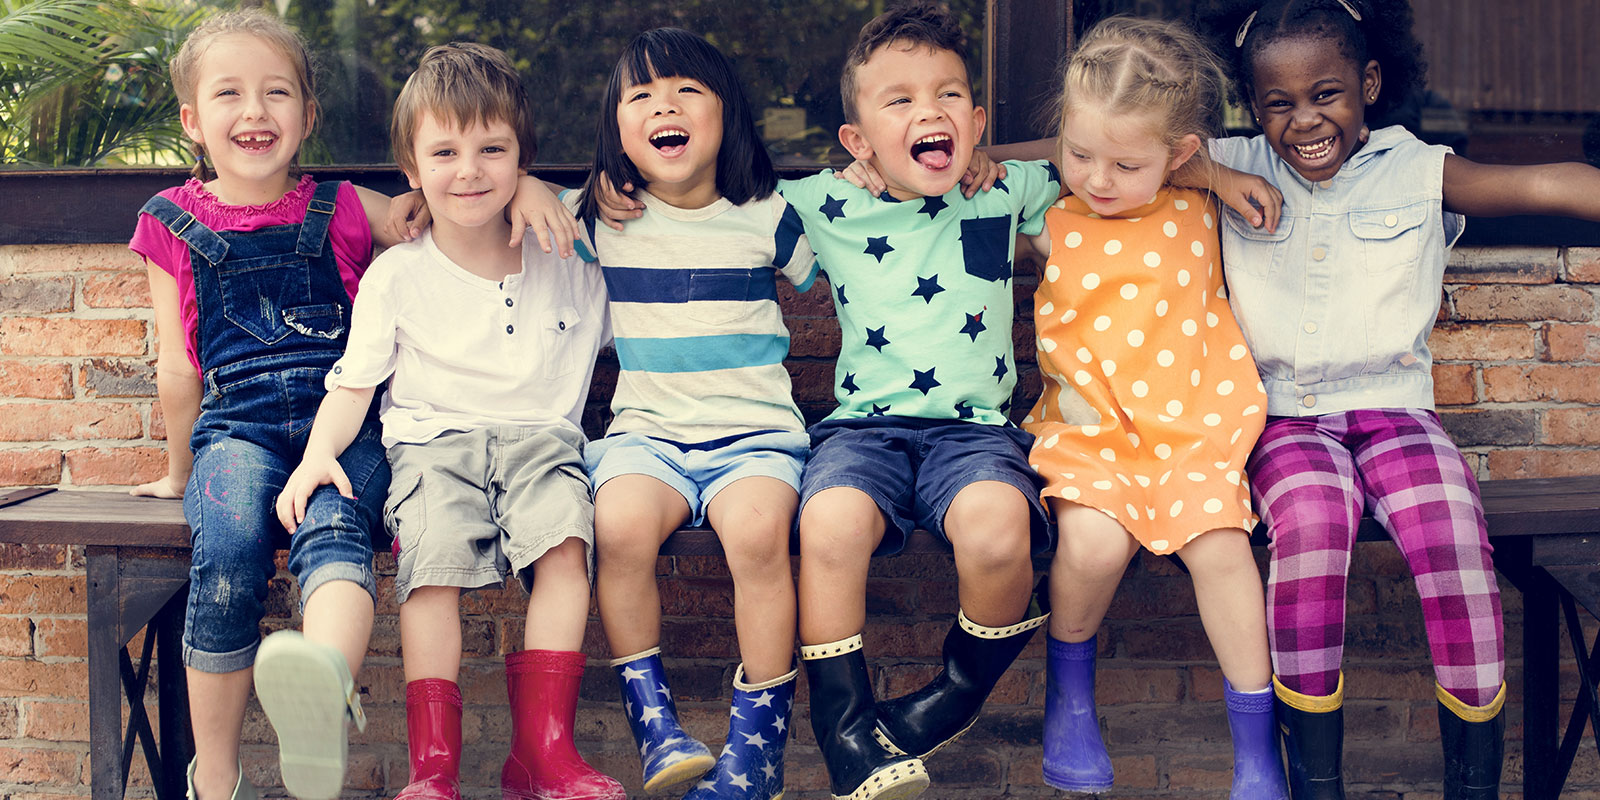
{"points": [[698, 471]]}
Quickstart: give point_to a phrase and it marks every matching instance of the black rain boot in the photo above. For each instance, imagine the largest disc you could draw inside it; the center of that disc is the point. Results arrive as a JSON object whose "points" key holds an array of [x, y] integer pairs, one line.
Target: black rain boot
{"points": [[1313, 741], [842, 717], [1474, 739], [975, 657]]}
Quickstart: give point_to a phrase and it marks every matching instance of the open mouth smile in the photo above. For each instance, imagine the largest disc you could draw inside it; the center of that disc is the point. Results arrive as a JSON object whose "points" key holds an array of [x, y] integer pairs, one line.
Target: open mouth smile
{"points": [[670, 141], [934, 151], [1316, 152], [256, 141]]}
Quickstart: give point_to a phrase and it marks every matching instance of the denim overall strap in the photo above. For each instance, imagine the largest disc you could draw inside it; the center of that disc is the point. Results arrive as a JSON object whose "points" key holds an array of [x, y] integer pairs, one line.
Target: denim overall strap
{"points": [[184, 226], [319, 214]]}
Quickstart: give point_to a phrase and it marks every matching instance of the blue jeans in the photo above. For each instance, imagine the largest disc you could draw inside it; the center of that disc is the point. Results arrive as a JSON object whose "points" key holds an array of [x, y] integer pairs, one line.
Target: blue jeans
{"points": [[241, 462]]}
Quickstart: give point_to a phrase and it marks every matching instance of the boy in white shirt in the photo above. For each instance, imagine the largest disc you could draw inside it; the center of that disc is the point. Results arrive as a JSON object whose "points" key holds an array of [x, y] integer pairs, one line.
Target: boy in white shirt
{"points": [[488, 351]]}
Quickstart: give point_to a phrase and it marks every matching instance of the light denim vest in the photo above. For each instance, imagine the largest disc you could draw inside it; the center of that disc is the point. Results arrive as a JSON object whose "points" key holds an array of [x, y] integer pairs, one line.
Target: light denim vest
{"points": [[1337, 304]]}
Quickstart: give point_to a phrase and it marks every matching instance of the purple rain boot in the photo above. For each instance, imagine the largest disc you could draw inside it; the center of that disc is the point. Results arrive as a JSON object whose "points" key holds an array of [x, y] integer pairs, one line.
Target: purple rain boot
{"points": [[1075, 757], [1257, 760]]}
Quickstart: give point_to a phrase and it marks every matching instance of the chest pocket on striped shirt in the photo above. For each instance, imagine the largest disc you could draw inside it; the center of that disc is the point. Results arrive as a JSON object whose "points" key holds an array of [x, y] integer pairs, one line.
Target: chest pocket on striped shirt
{"points": [[719, 296]]}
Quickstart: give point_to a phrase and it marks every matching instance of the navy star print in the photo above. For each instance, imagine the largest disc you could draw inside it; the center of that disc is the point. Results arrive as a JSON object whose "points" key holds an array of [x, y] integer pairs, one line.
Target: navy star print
{"points": [[932, 206], [924, 381], [875, 338], [849, 383], [974, 325], [999, 183], [878, 411], [1051, 171], [963, 410], [833, 209], [878, 247], [927, 288], [843, 301], [1000, 369]]}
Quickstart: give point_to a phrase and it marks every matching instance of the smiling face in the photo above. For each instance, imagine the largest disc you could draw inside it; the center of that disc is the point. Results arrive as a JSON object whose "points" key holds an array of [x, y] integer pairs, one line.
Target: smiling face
{"points": [[916, 121], [1116, 162], [467, 175], [1312, 103], [671, 128], [250, 115]]}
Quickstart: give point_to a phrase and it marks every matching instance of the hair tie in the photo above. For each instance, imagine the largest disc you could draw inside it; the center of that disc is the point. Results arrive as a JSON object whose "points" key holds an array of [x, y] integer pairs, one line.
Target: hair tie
{"points": [[1351, 7], [1244, 30]]}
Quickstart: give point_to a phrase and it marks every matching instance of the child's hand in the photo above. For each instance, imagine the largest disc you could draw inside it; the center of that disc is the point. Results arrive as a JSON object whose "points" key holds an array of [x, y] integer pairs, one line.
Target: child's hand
{"points": [[1256, 199], [862, 174], [315, 470], [408, 216], [536, 207], [981, 173], [163, 487], [617, 207]]}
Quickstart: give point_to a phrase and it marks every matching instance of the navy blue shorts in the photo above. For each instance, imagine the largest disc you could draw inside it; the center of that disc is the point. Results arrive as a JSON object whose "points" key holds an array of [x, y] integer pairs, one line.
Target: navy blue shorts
{"points": [[913, 468]]}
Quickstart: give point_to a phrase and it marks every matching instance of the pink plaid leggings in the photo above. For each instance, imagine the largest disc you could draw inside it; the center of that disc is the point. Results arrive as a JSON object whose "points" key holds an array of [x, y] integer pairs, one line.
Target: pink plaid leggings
{"points": [[1311, 477]]}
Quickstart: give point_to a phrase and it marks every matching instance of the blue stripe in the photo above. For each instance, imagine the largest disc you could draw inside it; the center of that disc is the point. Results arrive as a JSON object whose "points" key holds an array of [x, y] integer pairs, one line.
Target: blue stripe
{"points": [[651, 285], [702, 353], [785, 238]]}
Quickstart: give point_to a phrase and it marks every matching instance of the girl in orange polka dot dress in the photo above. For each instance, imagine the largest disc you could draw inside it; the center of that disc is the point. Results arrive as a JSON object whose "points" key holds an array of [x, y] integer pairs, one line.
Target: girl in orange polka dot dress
{"points": [[1151, 401]]}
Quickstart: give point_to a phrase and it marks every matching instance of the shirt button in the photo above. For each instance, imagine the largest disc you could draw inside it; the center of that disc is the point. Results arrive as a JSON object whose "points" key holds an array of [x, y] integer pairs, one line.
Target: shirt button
{"points": [[1325, 184], [1311, 327], [1391, 220], [1319, 253], [561, 326], [337, 370], [508, 302], [509, 329], [1310, 401]]}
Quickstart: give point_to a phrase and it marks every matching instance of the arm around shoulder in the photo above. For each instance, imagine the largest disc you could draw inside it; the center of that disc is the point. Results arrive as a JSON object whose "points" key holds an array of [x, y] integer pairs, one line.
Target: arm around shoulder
{"points": [[177, 386], [1568, 189]]}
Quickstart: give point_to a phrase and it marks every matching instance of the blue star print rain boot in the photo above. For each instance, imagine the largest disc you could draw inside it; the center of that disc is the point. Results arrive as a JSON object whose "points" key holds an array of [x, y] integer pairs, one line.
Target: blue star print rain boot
{"points": [[751, 764], [1075, 757], [670, 757], [1257, 759]]}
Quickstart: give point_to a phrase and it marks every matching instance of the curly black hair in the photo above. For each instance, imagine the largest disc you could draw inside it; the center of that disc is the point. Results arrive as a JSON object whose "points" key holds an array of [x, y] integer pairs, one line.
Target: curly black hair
{"points": [[1383, 34]]}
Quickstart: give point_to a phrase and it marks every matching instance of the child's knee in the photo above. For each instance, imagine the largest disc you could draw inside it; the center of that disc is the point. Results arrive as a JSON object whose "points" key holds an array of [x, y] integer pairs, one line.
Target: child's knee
{"points": [[568, 559], [990, 507], [756, 549]]}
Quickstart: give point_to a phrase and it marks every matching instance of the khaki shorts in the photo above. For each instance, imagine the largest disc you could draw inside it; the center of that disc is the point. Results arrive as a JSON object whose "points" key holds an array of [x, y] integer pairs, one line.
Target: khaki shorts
{"points": [[468, 508]]}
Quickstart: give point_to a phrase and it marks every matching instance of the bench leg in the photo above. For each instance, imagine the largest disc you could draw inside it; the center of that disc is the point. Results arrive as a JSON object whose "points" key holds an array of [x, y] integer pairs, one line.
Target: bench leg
{"points": [[1540, 665]]}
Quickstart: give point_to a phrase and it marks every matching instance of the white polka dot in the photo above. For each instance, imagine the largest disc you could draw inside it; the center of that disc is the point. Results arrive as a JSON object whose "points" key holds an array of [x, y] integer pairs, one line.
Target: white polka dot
{"points": [[1129, 291], [1213, 505], [1220, 464], [1102, 323], [1163, 418], [1051, 442], [1025, 421], [1108, 454], [1081, 378], [1091, 431], [1164, 476], [1084, 355], [1091, 280], [1072, 314], [1124, 479], [1251, 411], [1211, 319], [1132, 219], [1205, 350], [1102, 485], [1193, 536], [1222, 292], [1164, 358], [1144, 480], [1108, 367], [1051, 273], [1181, 205], [1177, 508], [1068, 476], [1073, 239], [1047, 345], [1170, 229], [1232, 477], [1163, 451], [1161, 308], [1135, 337], [1197, 477], [1237, 352], [1133, 438], [1071, 493], [1189, 328], [1113, 247], [1150, 512], [1194, 377], [1140, 389], [1174, 407], [1183, 277], [1198, 249], [1207, 219], [1047, 309], [1133, 513], [1213, 420], [1152, 258], [1225, 388], [1235, 438], [1159, 544], [1093, 215]]}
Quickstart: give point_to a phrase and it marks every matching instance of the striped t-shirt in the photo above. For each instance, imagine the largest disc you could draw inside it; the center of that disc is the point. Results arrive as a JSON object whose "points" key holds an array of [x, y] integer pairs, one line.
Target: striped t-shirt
{"points": [[694, 309]]}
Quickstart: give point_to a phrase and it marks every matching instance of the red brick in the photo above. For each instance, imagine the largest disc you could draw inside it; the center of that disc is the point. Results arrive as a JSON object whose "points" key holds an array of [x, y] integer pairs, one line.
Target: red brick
{"points": [[119, 466], [1115, 686], [34, 336], [1573, 342], [1583, 265], [1522, 265], [16, 556], [36, 765], [16, 637], [817, 337], [8, 719], [30, 467], [1549, 382], [1572, 426], [29, 678], [817, 302], [118, 290], [35, 295], [1567, 303], [65, 637], [41, 381], [33, 422], [58, 722], [1190, 772], [1454, 384], [68, 258], [1543, 463], [1483, 342], [42, 594]]}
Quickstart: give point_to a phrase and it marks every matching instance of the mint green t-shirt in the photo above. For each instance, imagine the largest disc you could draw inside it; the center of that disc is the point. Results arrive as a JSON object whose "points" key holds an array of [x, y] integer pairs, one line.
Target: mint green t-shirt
{"points": [[922, 289]]}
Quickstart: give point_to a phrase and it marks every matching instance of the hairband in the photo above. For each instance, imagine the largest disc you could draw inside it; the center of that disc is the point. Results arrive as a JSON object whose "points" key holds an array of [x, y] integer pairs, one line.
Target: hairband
{"points": [[1244, 30]]}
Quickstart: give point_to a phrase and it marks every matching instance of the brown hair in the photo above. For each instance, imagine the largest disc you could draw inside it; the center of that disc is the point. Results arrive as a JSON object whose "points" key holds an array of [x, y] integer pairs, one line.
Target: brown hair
{"points": [[185, 66], [915, 24], [463, 83], [1128, 65]]}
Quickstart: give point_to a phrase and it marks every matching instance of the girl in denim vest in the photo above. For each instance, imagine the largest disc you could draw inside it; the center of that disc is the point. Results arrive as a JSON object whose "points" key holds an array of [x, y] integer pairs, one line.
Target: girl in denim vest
{"points": [[252, 268], [1336, 304]]}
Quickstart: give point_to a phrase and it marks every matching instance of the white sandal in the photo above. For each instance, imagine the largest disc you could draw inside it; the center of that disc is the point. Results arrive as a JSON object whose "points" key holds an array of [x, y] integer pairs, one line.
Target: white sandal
{"points": [[309, 697]]}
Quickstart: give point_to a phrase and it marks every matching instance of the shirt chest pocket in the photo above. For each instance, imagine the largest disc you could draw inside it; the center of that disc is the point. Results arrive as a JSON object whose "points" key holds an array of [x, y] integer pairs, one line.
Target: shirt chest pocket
{"points": [[1390, 239], [985, 247], [1248, 250], [719, 296], [562, 331]]}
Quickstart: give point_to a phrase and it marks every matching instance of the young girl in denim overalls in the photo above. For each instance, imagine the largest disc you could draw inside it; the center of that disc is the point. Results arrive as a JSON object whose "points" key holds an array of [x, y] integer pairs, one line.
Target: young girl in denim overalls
{"points": [[256, 269]]}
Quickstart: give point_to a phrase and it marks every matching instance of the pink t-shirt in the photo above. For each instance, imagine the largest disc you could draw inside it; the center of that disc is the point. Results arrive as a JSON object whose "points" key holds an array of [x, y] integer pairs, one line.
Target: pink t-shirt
{"points": [[349, 233]]}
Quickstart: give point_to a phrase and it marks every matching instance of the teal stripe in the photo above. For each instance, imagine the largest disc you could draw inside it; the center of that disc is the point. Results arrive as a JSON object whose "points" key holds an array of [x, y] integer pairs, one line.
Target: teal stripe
{"points": [[702, 353]]}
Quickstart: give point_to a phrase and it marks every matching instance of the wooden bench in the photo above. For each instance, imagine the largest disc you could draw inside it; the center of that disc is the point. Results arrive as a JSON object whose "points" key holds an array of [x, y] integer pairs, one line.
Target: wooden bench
{"points": [[1546, 534]]}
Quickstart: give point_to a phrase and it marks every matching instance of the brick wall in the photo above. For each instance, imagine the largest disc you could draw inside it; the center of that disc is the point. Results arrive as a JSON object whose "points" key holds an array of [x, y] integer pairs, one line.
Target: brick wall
{"points": [[1518, 374]]}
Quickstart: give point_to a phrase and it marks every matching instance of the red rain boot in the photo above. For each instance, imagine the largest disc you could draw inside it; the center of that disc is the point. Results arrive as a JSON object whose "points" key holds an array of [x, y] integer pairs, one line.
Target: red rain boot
{"points": [[433, 735], [544, 763]]}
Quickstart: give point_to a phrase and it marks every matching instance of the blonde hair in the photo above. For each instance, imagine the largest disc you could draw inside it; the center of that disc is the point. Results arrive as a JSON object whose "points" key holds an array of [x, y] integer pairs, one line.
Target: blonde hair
{"points": [[185, 66], [1128, 65], [463, 83]]}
